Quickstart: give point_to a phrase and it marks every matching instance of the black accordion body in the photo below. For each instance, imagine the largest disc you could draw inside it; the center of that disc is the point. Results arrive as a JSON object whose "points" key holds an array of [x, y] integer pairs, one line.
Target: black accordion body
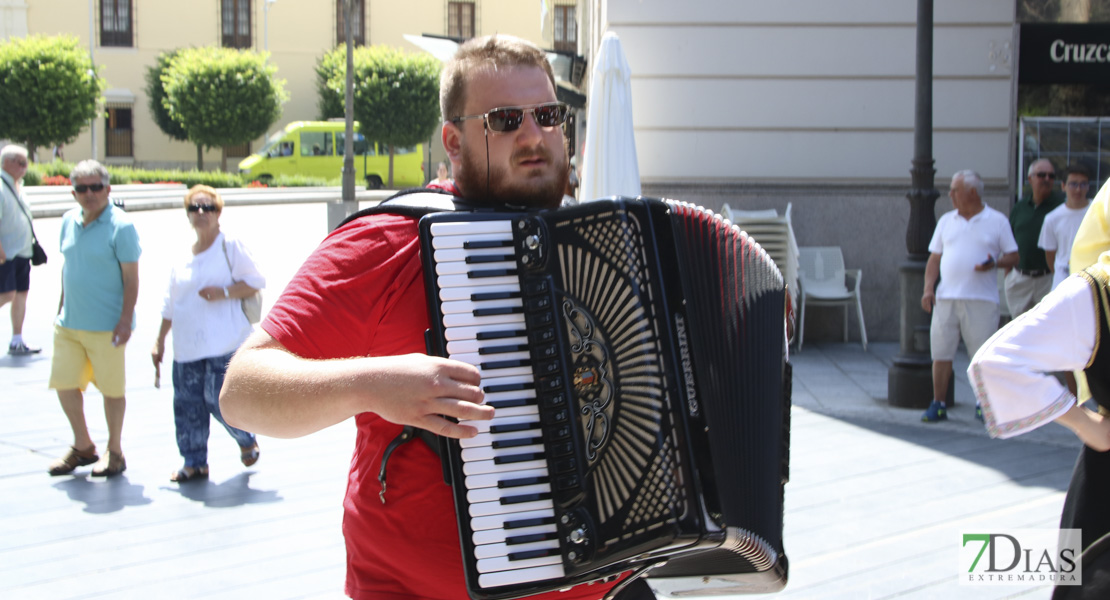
{"points": [[634, 351]]}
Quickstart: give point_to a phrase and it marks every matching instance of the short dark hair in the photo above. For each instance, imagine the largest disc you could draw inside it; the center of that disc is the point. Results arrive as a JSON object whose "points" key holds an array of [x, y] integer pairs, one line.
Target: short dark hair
{"points": [[1077, 169], [491, 52]]}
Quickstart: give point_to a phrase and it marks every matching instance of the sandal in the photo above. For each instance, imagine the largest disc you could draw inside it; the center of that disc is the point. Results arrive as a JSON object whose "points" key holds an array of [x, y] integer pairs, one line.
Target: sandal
{"points": [[183, 474], [74, 458], [249, 454], [113, 466]]}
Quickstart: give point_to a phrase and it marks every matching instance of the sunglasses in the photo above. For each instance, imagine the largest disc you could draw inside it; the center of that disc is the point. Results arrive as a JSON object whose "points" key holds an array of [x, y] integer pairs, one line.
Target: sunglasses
{"points": [[1079, 185], [81, 188], [1043, 175], [202, 208], [510, 118]]}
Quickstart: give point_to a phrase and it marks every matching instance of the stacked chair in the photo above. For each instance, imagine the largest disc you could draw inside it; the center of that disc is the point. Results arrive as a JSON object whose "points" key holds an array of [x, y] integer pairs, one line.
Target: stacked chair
{"points": [[775, 234]]}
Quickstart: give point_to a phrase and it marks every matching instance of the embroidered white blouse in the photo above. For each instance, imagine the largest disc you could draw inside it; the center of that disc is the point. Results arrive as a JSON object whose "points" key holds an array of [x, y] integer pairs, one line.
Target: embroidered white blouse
{"points": [[1012, 373]]}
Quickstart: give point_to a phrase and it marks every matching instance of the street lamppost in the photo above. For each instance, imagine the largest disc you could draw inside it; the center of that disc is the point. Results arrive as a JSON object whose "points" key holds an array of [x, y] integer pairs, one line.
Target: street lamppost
{"points": [[909, 380], [349, 112], [266, 25], [92, 59], [337, 211]]}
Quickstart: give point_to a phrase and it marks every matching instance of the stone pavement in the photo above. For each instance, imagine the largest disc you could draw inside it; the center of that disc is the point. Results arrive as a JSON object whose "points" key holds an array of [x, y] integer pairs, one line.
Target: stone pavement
{"points": [[874, 508]]}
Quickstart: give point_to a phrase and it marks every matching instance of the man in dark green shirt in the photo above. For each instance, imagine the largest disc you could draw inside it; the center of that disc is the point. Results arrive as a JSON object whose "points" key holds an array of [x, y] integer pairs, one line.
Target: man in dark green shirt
{"points": [[1030, 280]]}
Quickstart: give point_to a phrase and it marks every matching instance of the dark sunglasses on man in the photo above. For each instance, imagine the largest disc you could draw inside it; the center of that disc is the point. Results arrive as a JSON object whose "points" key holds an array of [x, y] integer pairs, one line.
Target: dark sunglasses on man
{"points": [[1044, 175], [510, 118], [81, 188], [203, 208]]}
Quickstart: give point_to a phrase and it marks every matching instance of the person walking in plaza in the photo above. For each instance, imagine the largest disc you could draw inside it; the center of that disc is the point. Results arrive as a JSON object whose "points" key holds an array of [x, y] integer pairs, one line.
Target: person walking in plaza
{"points": [[968, 244], [1029, 281], [346, 338], [16, 236], [96, 313], [1061, 225], [203, 308]]}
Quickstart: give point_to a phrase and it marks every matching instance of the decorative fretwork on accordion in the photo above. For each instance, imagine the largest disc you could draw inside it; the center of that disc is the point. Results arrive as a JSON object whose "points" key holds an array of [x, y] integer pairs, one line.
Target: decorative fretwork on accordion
{"points": [[634, 352]]}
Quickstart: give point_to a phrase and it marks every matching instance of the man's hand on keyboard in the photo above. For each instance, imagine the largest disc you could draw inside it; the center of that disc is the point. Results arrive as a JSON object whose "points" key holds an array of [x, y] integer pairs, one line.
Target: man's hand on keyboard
{"points": [[421, 391]]}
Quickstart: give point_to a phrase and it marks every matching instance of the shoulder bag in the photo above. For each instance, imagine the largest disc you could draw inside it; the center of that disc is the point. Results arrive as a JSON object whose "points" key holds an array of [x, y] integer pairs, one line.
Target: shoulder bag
{"points": [[38, 255], [252, 305]]}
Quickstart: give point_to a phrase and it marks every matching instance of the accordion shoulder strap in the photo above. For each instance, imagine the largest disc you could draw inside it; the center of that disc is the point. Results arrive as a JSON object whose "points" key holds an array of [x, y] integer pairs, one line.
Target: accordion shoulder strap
{"points": [[415, 203]]}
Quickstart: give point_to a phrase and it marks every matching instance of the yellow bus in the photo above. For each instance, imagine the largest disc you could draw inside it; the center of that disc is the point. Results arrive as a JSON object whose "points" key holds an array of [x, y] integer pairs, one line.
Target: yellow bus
{"points": [[315, 148]]}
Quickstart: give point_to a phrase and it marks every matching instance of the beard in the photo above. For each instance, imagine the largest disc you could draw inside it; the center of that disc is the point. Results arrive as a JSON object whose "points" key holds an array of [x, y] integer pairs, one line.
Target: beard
{"points": [[541, 187]]}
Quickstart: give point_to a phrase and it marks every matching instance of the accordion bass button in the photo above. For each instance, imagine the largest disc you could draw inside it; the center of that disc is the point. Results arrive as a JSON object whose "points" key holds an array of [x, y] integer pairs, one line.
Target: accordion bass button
{"points": [[578, 536]]}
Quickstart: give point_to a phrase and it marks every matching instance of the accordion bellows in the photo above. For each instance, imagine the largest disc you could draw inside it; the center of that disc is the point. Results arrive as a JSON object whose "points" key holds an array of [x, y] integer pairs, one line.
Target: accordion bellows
{"points": [[634, 351]]}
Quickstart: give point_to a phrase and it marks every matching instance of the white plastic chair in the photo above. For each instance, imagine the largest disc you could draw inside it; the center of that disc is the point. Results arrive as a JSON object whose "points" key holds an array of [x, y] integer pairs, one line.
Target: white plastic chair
{"points": [[824, 282]]}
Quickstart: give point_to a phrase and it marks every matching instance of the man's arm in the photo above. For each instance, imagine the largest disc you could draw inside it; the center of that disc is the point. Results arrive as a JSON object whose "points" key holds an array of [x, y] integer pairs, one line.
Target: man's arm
{"points": [[1090, 427], [271, 391], [130, 273], [1008, 261], [1050, 256], [932, 273]]}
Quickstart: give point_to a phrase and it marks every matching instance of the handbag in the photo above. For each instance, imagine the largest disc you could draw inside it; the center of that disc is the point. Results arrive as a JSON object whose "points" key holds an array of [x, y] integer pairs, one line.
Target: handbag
{"points": [[38, 255], [252, 305]]}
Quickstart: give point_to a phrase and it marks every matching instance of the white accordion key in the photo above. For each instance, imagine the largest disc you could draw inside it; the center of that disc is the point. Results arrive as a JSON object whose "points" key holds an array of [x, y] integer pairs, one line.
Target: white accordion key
{"points": [[469, 306], [462, 293], [499, 522], [493, 536], [503, 563], [491, 453], [470, 228], [457, 268], [494, 479], [481, 467], [492, 494], [459, 241], [450, 281], [501, 549], [541, 573], [487, 439], [485, 509]]}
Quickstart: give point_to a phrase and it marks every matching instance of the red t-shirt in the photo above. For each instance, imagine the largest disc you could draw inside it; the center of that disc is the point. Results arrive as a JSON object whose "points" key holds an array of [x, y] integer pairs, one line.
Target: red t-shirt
{"points": [[361, 293]]}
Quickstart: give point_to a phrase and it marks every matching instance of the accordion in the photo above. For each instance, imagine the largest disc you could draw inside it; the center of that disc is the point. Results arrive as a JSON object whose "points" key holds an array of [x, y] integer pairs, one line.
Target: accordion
{"points": [[634, 352]]}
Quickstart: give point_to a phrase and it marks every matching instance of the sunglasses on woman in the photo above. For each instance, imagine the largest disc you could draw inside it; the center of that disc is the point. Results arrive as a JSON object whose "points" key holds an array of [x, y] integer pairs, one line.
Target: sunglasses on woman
{"points": [[203, 208], [510, 118]]}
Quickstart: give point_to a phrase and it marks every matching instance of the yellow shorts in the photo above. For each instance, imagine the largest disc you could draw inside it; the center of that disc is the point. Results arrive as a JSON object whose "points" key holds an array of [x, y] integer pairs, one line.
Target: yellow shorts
{"points": [[81, 357]]}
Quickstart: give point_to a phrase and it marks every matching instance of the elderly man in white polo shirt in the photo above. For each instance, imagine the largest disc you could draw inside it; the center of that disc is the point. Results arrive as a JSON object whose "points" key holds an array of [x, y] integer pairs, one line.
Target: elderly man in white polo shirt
{"points": [[968, 244]]}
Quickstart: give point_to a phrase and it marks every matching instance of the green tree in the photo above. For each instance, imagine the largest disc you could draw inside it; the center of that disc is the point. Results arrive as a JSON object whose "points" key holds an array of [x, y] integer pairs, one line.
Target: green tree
{"points": [[396, 95], [332, 66], [222, 96], [48, 90], [156, 95]]}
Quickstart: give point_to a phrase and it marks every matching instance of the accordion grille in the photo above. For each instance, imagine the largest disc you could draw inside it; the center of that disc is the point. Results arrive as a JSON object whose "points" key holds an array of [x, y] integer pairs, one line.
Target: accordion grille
{"points": [[610, 308]]}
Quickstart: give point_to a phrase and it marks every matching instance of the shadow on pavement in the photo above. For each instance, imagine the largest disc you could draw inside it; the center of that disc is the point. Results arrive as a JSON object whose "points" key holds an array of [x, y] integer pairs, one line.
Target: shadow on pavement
{"points": [[103, 496], [1021, 461], [233, 492]]}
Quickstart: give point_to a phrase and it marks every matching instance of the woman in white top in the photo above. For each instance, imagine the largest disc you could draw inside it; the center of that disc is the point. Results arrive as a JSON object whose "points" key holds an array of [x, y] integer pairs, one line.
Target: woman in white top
{"points": [[203, 308]]}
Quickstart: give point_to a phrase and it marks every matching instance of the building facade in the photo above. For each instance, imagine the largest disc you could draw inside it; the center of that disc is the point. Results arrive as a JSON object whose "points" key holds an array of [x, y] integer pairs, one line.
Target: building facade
{"points": [[757, 104], [811, 103], [126, 36]]}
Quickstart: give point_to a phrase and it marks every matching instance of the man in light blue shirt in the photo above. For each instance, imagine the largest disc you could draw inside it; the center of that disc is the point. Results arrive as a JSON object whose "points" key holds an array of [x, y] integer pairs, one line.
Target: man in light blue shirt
{"points": [[15, 244], [100, 284]]}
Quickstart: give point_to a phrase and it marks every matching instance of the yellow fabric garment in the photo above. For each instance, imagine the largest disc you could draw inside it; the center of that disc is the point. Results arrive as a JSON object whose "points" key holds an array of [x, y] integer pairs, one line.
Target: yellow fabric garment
{"points": [[1093, 237]]}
